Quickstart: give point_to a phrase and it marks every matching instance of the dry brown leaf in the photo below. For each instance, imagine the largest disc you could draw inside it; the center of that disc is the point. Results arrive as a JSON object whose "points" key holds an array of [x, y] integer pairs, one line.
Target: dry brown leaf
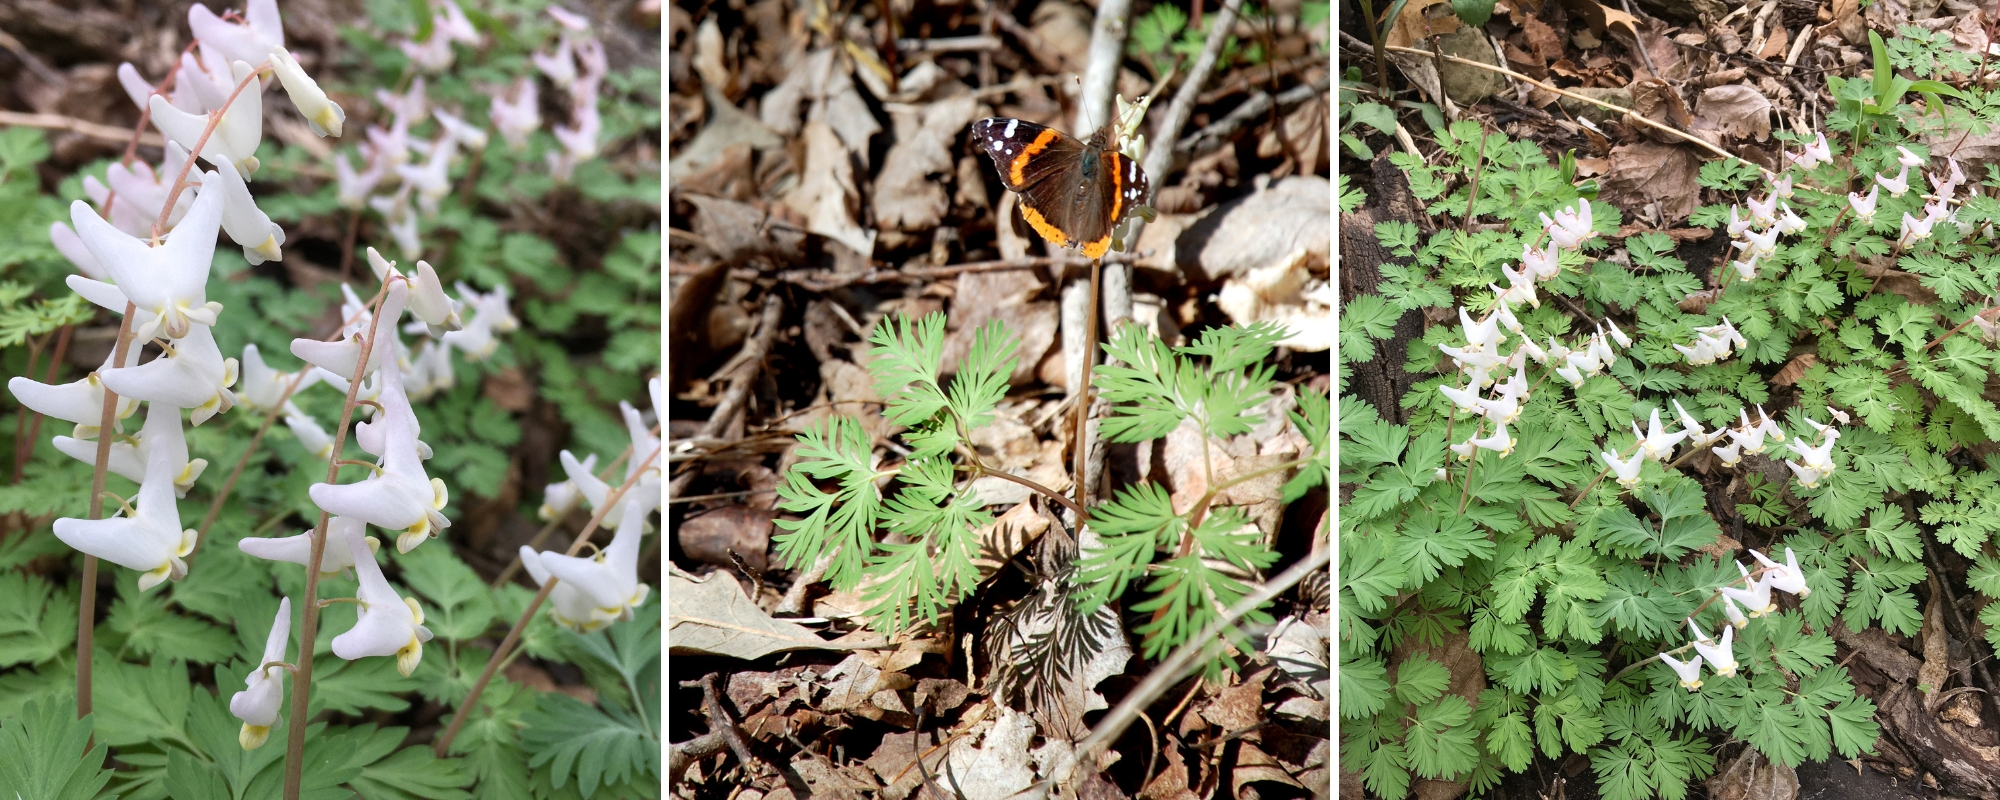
{"points": [[1753, 777], [1660, 102], [1795, 368], [1647, 172], [1414, 25], [910, 194], [710, 537], [1736, 110], [827, 196], [1774, 45], [1240, 707], [1936, 668], [1172, 781]]}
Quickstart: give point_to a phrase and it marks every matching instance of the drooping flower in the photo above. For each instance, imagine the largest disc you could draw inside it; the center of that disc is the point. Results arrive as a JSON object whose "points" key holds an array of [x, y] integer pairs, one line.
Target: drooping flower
{"points": [[1720, 656], [1786, 577], [323, 116], [1498, 441], [1655, 441], [336, 557], [263, 388], [1745, 269], [235, 138], [1907, 158], [79, 402], [194, 376], [1734, 614], [1763, 213], [1543, 263], [563, 494], [129, 459], [1897, 185], [151, 539], [1626, 469], [519, 117], [1864, 207], [1730, 453], [1756, 598], [1688, 671], [1819, 458], [170, 281], [1808, 477], [310, 435], [1569, 229], [1618, 335], [491, 315], [246, 224], [354, 187], [341, 358], [389, 624], [398, 496], [606, 588], [1757, 244], [249, 40], [264, 688], [472, 137]]}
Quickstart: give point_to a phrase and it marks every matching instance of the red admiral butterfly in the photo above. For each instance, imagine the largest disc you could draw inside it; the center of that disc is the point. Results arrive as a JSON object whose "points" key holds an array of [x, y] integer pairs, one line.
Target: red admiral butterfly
{"points": [[1073, 193]]}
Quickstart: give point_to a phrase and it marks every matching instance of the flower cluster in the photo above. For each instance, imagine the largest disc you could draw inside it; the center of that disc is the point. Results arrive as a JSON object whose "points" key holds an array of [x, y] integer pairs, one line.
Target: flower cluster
{"points": [[449, 24], [594, 592], [1756, 597], [1757, 235], [1713, 343], [577, 66]]}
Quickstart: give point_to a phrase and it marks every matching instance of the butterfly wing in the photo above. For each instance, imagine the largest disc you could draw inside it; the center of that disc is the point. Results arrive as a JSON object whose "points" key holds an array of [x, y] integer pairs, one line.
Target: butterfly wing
{"points": [[1026, 154]]}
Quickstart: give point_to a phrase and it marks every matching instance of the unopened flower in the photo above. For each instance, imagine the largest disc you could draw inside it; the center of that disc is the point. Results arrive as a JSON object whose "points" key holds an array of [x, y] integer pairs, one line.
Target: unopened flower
{"points": [[246, 224], [1720, 656], [323, 116], [236, 138], [389, 624], [151, 539], [604, 589], [1735, 614], [1689, 671], [336, 556], [398, 496], [1786, 577], [264, 688], [1627, 469]]}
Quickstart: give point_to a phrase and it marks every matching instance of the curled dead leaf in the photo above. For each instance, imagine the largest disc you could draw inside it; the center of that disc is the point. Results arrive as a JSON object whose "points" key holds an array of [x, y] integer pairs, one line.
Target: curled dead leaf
{"points": [[1736, 110], [1795, 368]]}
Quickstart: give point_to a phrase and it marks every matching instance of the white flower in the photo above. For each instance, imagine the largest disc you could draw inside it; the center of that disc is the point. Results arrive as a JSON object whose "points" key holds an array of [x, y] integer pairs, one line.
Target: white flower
{"points": [[1764, 213], [1464, 399], [1756, 599], [1570, 228], [1701, 354], [1770, 428], [430, 55], [73, 248], [1745, 269], [1786, 577], [1814, 153], [235, 138], [1503, 411], [1864, 207], [1751, 437], [490, 316], [1518, 293], [398, 496], [1808, 477], [562, 495], [1735, 614], [472, 137], [264, 688], [1907, 158], [1618, 335], [604, 589], [1719, 655], [1915, 229], [1656, 442], [246, 224], [1568, 372], [559, 66], [162, 430], [1627, 469], [1463, 450], [1730, 453], [518, 118], [427, 298], [354, 187], [1782, 187], [1689, 671], [170, 282], [341, 358], [249, 40], [432, 179], [1531, 350], [1820, 458], [263, 388], [411, 106], [1758, 244], [1498, 441], [1543, 263], [298, 549], [323, 116], [1897, 185], [150, 540], [309, 433], [141, 193], [79, 402], [391, 145], [455, 26], [1789, 222], [140, 89], [1737, 224], [194, 375], [390, 624]]}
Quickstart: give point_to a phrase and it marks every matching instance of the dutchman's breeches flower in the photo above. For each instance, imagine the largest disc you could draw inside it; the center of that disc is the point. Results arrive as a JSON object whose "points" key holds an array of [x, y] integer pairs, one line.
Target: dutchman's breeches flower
{"points": [[1689, 671], [1720, 656], [389, 625], [334, 558], [1897, 185], [264, 688], [399, 496], [193, 376], [1786, 577], [246, 224], [324, 116], [150, 540], [1864, 207], [1757, 598], [260, 30], [608, 585], [1626, 469], [130, 459], [169, 282], [79, 402], [236, 138], [340, 358]]}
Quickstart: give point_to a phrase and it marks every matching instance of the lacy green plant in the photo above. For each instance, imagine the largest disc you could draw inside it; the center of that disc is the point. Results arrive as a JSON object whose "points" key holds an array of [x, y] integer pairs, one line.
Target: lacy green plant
{"points": [[1819, 391], [1217, 383]]}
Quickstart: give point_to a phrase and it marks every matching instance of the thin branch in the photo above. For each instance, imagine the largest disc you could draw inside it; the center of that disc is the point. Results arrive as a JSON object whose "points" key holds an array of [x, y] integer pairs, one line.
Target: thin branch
{"points": [[58, 122], [86, 609]]}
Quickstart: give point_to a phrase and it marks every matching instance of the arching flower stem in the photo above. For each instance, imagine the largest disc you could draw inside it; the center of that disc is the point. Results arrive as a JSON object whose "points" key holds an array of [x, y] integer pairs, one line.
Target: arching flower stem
{"points": [[194, 153]]}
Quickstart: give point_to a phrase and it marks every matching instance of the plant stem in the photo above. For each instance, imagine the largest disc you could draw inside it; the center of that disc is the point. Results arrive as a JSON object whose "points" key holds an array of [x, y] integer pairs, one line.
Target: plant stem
{"points": [[86, 608], [295, 732], [611, 501], [1083, 396], [514, 566], [215, 508]]}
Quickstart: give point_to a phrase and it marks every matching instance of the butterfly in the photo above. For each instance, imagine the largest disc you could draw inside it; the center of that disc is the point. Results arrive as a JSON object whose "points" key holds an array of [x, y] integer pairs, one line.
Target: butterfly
{"points": [[1073, 192]]}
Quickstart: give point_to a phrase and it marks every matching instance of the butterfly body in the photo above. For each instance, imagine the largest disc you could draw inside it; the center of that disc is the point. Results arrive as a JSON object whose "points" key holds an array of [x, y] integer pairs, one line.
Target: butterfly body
{"points": [[1073, 192]]}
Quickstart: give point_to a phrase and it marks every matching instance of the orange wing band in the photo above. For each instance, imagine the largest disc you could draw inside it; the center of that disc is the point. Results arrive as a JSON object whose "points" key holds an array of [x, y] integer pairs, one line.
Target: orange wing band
{"points": [[1042, 226], [1017, 170]]}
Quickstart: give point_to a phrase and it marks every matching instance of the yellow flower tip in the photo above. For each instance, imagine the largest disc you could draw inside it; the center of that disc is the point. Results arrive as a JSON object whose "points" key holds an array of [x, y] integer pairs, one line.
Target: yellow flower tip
{"points": [[253, 736], [1691, 685], [155, 577], [409, 539], [410, 656], [328, 121], [269, 249], [439, 494], [188, 538], [415, 610]]}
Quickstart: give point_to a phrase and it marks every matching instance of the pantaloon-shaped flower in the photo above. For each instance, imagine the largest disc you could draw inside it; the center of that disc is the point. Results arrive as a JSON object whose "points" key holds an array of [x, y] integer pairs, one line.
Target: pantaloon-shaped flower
{"points": [[398, 496], [235, 138], [264, 688], [249, 40], [169, 281], [1786, 577], [1757, 598], [79, 402], [194, 376], [130, 459], [246, 224], [1721, 656], [151, 540], [298, 549], [390, 624], [340, 358], [1689, 671], [604, 589]]}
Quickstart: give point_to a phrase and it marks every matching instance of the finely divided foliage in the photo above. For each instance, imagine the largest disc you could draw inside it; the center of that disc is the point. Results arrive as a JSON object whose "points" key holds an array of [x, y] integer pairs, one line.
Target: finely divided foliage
{"points": [[1173, 557], [1820, 393]]}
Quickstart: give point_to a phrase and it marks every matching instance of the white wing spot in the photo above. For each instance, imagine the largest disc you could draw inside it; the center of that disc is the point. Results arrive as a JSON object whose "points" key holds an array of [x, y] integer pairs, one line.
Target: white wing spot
{"points": [[1009, 133]]}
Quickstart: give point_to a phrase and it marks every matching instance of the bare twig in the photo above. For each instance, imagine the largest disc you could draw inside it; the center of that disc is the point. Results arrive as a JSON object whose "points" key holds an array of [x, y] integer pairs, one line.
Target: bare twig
{"points": [[58, 122], [739, 390]]}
